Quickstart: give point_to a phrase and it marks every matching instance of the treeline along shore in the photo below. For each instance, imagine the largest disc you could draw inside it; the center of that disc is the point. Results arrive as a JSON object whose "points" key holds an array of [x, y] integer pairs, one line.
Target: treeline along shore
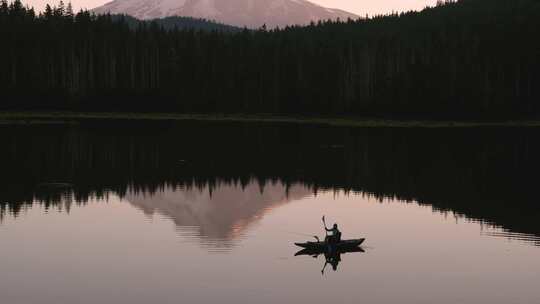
{"points": [[467, 59]]}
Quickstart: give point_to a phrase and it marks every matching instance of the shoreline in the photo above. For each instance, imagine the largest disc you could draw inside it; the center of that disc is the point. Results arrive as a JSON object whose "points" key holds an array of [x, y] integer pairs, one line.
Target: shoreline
{"points": [[362, 122]]}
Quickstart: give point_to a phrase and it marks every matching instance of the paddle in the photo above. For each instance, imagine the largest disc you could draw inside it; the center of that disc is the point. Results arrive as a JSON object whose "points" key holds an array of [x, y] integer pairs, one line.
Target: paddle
{"points": [[324, 267], [325, 229]]}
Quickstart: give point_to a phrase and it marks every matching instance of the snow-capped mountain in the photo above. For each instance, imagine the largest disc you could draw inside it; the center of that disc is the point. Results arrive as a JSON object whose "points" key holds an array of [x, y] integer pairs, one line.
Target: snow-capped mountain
{"points": [[249, 13]]}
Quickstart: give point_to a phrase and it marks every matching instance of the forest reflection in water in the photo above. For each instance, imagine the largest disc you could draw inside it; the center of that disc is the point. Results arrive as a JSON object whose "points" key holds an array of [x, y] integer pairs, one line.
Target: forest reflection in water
{"points": [[218, 177]]}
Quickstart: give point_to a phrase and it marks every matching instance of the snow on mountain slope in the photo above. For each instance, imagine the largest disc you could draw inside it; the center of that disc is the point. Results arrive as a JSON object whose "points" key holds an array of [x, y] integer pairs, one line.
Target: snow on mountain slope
{"points": [[142, 9], [250, 13]]}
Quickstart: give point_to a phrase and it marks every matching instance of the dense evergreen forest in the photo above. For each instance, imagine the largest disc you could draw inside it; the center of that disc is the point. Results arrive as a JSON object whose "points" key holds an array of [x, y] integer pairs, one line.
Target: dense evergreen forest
{"points": [[464, 59]]}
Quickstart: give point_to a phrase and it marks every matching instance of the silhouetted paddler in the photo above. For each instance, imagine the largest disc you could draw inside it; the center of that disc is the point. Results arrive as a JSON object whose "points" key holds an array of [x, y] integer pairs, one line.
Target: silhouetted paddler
{"points": [[335, 235]]}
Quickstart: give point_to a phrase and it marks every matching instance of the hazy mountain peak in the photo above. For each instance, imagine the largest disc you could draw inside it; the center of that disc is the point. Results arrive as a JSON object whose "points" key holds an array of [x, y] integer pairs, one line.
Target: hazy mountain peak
{"points": [[250, 13]]}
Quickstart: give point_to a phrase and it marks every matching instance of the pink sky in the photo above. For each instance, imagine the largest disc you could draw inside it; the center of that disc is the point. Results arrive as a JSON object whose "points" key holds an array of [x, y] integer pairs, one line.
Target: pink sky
{"points": [[355, 6], [372, 7]]}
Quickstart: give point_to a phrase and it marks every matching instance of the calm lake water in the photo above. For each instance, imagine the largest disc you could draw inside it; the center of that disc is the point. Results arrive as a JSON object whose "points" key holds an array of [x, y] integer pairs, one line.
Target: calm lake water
{"points": [[141, 212]]}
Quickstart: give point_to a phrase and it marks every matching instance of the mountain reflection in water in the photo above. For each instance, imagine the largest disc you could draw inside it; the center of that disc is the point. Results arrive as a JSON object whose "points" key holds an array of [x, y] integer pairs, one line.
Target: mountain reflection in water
{"points": [[482, 174], [216, 217]]}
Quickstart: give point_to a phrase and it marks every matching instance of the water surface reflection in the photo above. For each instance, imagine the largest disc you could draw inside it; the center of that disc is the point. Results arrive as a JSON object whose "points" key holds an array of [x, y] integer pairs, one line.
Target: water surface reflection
{"points": [[108, 250], [217, 216], [129, 212], [483, 174]]}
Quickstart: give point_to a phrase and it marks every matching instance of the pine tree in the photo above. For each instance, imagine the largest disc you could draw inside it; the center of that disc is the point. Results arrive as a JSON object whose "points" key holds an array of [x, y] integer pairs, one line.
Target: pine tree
{"points": [[60, 10], [48, 12], [69, 11], [4, 8]]}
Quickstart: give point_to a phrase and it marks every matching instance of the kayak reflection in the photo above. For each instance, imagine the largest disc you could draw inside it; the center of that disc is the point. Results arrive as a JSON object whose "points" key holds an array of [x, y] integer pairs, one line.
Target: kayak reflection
{"points": [[332, 255]]}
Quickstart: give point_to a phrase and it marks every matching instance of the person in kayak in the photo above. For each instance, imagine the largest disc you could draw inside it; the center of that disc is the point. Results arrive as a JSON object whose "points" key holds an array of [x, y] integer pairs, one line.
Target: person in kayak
{"points": [[335, 235]]}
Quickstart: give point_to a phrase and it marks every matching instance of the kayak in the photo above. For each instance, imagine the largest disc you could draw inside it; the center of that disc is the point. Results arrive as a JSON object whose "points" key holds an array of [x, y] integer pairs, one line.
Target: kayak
{"points": [[313, 252], [341, 245]]}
